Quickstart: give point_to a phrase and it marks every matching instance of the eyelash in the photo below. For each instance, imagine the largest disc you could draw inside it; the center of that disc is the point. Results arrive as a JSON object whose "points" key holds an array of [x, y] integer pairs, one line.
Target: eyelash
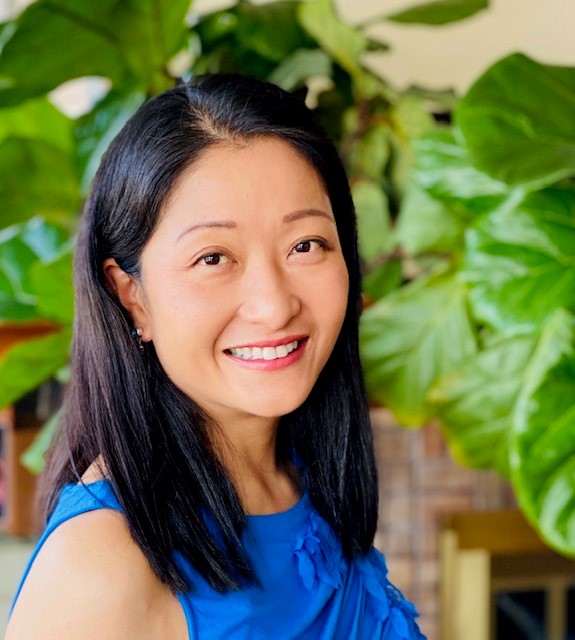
{"points": [[323, 245], [210, 255]]}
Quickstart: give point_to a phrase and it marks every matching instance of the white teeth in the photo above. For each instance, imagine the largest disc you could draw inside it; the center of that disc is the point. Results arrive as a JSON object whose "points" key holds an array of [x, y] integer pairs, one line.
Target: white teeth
{"points": [[281, 351], [265, 353]]}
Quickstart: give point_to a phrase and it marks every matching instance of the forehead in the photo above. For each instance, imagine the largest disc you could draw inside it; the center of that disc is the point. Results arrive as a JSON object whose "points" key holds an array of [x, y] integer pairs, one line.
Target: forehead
{"points": [[261, 175]]}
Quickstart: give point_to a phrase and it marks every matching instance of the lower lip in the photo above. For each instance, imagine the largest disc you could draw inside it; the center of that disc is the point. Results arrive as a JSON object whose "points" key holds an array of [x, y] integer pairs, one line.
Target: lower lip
{"points": [[273, 365]]}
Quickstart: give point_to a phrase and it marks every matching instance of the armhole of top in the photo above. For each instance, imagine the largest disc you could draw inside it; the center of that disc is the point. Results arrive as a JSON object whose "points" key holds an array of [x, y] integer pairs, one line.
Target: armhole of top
{"points": [[51, 527], [96, 504]]}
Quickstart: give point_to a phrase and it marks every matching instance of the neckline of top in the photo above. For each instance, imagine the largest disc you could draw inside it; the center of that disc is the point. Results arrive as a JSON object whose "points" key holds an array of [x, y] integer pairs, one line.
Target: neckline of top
{"points": [[301, 505]]}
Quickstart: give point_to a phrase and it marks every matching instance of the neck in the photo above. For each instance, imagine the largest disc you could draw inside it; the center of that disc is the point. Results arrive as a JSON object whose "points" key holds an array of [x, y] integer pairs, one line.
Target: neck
{"points": [[248, 451]]}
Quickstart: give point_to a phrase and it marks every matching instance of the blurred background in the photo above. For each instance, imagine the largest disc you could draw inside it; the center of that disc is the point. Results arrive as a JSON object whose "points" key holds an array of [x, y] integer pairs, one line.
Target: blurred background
{"points": [[456, 121]]}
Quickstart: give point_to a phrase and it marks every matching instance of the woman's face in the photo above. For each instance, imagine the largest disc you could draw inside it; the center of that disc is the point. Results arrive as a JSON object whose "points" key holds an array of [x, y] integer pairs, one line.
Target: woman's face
{"points": [[243, 284]]}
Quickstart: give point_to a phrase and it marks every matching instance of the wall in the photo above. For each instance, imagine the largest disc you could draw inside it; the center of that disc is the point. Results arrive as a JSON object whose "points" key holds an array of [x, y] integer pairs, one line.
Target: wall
{"points": [[419, 485], [454, 55]]}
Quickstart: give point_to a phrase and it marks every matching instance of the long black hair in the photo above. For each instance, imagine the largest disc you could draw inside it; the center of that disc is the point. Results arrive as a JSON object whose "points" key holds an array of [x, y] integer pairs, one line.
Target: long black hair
{"points": [[154, 440]]}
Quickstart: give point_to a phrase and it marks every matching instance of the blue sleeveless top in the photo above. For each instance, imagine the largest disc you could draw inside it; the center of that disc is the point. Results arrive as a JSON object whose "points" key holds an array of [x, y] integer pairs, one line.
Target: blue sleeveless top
{"points": [[309, 591]]}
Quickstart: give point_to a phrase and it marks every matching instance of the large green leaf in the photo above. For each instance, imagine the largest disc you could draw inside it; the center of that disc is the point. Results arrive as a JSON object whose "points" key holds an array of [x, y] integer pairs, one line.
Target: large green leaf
{"points": [[55, 41], [150, 32], [440, 11], [444, 170], [543, 443], [22, 247], [517, 120], [52, 285], [345, 43], [36, 178], [520, 263], [373, 221], [27, 364], [425, 224], [412, 337], [37, 119], [58, 40], [475, 402]]}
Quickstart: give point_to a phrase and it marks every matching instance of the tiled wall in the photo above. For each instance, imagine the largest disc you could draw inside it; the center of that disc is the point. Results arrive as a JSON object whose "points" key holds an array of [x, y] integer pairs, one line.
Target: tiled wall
{"points": [[419, 484]]}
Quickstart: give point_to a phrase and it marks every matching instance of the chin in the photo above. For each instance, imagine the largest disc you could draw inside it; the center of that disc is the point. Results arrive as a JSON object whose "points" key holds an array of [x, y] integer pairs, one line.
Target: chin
{"points": [[277, 409]]}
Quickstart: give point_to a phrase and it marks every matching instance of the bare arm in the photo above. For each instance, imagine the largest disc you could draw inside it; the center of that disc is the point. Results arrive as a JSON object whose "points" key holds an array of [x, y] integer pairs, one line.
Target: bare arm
{"points": [[91, 580]]}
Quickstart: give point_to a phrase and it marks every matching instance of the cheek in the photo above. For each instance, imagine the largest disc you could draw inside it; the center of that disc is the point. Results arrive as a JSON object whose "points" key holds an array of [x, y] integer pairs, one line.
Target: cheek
{"points": [[330, 299]]}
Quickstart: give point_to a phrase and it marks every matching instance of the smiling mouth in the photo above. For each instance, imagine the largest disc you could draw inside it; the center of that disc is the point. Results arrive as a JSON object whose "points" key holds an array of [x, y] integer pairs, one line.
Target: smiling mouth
{"points": [[266, 353]]}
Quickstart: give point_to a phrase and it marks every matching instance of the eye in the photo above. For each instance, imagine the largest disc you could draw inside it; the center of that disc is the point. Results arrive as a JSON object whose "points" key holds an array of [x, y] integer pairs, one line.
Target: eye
{"points": [[212, 259], [309, 246]]}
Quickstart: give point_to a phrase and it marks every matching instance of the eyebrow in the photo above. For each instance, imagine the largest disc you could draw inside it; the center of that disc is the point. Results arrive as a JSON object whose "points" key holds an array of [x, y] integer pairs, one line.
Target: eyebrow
{"points": [[223, 224], [307, 213], [230, 224]]}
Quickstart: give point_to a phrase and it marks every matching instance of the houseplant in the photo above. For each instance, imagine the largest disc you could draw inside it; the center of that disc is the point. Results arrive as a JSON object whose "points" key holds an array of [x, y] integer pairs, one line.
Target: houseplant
{"points": [[466, 227]]}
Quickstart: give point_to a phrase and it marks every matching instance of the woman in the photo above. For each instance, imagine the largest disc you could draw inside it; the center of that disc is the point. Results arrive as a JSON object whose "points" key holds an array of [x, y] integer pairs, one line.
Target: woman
{"points": [[214, 476]]}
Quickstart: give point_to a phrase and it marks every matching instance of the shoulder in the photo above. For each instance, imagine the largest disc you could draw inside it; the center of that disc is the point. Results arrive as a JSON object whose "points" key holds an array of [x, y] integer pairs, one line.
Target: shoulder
{"points": [[90, 577]]}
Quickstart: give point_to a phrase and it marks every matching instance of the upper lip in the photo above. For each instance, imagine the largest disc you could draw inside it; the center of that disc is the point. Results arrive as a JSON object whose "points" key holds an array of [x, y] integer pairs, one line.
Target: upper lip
{"points": [[270, 343]]}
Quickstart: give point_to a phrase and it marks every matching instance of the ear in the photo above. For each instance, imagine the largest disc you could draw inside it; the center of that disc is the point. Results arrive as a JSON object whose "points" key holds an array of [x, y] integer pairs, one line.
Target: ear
{"points": [[130, 294]]}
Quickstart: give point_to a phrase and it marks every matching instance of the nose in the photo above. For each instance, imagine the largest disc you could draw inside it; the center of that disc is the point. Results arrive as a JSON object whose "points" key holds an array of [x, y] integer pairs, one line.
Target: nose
{"points": [[268, 297]]}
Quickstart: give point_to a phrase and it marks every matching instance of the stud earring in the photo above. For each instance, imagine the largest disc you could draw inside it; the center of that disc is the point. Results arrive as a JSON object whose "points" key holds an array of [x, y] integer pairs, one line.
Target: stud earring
{"points": [[137, 333]]}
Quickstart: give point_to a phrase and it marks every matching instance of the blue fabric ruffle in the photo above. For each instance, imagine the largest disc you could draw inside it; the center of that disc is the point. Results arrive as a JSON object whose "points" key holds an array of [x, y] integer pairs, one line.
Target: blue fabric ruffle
{"points": [[319, 555], [320, 559]]}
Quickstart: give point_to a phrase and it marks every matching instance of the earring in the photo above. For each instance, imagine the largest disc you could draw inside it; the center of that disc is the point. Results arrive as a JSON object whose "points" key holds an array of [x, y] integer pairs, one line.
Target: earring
{"points": [[137, 333]]}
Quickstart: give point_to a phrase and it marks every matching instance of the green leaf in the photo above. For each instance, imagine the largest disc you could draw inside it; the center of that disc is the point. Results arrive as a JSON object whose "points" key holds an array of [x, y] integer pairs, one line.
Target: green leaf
{"points": [[382, 280], [373, 221], [27, 364], [370, 153], [543, 443], [37, 119], [444, 170], [58, 40], [55, 41], [517, 120], [52, 286], [520, 262], [36, 178], [95, 131], [410, 117], [214, 27], [34, 456], [367, 86], [344, 43], [271, 30], [149, 33], [475, 402], [21, 248], [412, 337], [440, 11], [428, 225], [299, 66]]}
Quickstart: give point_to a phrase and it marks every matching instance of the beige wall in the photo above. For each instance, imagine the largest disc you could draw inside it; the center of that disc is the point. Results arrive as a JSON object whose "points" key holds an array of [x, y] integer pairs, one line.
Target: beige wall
{"points": [[454, 55]]}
